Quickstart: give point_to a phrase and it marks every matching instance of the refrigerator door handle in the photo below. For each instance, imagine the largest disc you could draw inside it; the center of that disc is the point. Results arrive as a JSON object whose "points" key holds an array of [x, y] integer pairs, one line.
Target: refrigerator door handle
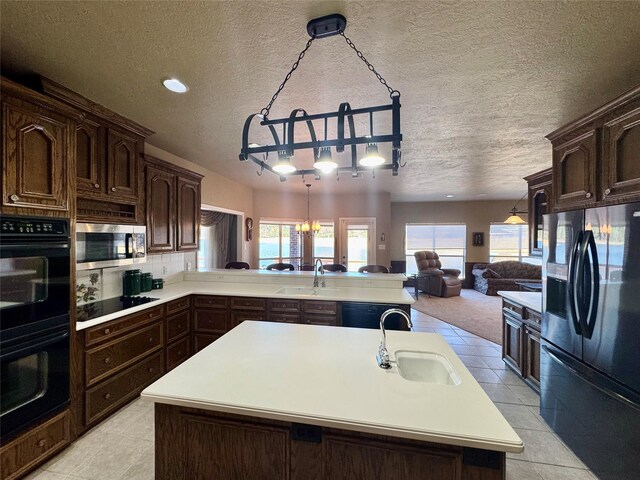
{"points": [[591, 255], [571, 284]]}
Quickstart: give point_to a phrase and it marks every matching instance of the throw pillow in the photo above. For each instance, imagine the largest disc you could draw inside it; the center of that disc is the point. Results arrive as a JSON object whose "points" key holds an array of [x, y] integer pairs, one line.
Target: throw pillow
{"points": [[491, 274]]}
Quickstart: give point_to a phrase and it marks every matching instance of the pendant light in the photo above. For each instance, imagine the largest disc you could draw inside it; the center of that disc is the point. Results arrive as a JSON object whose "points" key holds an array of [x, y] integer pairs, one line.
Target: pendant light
{"points": [[308, 227], [372, 158], [283, 165], [514, 218], [324, 162]]}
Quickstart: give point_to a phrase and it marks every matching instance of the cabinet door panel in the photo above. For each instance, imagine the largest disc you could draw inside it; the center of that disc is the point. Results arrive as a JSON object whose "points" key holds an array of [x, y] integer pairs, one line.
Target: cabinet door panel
{"points": [[188, 214], [160, 210], [621, 158], [532, 364], [122, 164], [35, 158], [574, 171], [89, 157], [512, 341]]}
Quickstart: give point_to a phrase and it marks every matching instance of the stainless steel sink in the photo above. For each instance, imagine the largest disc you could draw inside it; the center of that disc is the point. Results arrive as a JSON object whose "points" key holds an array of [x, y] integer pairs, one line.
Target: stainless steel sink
{"points": [[425, 367]]}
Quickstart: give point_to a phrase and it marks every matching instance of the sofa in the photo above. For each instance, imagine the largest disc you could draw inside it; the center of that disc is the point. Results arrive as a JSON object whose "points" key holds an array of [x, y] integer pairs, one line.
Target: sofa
{"points": [[491, 277], [435, 280]]}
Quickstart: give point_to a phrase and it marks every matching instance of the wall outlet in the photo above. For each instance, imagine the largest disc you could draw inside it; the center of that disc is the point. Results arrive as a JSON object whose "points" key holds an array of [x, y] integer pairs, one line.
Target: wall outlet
{"points": [[165, 269], [188, 266]]}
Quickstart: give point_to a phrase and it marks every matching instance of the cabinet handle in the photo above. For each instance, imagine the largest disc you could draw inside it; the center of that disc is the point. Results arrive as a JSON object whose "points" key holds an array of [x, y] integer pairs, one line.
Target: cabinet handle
{"points": [[179, 326], [150, 369], [607, 191], [42, 442], [96, 185], [113, 189], [107, 331], [107, 360], [588, 195], [150, 339], [107, 396], [14, 198]]}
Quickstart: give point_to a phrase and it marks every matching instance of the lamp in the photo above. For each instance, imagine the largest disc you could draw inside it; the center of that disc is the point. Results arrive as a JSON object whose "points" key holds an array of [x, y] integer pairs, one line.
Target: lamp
{"points": [[308, 227], [285, 142], [514, 218]]}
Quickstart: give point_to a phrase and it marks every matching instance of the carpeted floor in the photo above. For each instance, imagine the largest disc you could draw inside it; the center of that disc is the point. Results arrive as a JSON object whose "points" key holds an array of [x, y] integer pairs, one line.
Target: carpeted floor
{"points": [[472, 311]]}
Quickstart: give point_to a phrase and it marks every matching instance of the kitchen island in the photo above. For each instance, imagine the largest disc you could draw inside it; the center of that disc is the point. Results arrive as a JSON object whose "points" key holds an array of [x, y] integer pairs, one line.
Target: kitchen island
{"points": [[271, 400]]}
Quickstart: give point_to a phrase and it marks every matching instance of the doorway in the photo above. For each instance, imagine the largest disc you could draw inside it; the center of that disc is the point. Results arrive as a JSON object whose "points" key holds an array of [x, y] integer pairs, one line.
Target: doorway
{"points": [[357, 237], [220, 237]]}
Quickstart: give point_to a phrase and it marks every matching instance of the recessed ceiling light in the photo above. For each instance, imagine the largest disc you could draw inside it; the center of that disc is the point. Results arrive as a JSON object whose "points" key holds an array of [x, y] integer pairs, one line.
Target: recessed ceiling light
{"points": [[174, 85], [449, 195]]}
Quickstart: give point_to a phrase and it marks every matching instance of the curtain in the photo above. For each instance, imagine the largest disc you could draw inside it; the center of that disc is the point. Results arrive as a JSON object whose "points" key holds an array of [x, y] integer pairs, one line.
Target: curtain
{"points": [[226, 236]]}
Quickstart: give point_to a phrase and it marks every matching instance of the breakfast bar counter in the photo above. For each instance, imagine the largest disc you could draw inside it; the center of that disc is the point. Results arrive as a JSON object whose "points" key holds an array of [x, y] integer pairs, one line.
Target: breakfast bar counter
{"points": [[300, 397]]}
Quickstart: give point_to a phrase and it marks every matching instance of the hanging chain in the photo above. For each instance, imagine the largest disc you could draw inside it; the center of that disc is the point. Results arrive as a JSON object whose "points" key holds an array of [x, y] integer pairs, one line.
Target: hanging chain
{"points": [[265, 110], [369, 66]]}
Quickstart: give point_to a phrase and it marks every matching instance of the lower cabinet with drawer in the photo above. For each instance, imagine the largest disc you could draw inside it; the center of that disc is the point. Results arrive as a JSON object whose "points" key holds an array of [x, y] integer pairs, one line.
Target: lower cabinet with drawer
{"points": [[211, 320], [521, 341], [178, 329], [23, 454], [122, 357]]}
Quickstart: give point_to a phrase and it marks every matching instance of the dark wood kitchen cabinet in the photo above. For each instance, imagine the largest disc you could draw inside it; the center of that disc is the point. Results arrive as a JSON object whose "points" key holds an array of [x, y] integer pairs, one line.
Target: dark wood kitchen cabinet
{"points": [[178, 329], [37, 152], [539, 202], [108, 153], [596, 158], [19, 456], [521, 341], [173, 207]]}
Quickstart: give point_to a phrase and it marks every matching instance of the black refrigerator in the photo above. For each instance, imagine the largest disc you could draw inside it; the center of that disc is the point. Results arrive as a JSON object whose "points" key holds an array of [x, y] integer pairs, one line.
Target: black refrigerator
{"points": [[590, 349]]}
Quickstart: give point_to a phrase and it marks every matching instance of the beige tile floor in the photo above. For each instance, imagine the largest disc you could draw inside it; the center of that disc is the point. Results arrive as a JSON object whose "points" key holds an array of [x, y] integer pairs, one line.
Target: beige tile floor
{"points": [[121, 447]]}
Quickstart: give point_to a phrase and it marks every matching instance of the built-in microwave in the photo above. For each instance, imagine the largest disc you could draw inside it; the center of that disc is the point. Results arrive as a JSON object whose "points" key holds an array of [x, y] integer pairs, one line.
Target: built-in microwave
{"points": [[103, 245]]}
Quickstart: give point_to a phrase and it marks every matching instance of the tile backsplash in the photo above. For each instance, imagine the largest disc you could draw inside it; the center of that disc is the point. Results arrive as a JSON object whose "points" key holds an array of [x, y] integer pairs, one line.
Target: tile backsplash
{"points": [[108, 283]]}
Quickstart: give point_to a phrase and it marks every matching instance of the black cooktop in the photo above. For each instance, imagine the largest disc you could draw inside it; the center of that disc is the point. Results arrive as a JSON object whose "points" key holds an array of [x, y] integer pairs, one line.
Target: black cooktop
{"points": [[89, 311]]}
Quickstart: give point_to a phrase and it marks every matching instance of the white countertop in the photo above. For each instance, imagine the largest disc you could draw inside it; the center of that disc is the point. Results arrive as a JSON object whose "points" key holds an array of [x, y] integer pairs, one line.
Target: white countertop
{"points": [[329, 376], [530, 300], [266, 290]]}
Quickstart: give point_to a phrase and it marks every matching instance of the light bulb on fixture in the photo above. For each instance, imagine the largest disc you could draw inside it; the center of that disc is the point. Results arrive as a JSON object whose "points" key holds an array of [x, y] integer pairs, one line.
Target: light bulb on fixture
{"points": [[514, 218], [372, 158], [283, 165], [325, 163]]}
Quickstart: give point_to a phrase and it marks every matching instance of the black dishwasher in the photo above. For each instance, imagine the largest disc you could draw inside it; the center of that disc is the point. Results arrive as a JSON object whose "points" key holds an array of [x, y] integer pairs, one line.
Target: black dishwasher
{"points": [[367, 315]]}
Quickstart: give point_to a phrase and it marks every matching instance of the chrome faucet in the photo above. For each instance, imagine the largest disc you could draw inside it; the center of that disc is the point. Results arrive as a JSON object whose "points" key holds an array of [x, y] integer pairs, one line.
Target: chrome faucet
{"points": [[315, 274], [383, 354]]}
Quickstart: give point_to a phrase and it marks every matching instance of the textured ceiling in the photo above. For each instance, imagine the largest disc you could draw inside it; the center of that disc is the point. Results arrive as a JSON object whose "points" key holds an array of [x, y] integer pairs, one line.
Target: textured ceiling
{"points": [[481, 82]]}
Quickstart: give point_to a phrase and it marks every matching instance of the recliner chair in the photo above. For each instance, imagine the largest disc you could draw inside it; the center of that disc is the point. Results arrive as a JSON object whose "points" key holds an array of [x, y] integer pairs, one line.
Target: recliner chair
{"points": [[435, 280]]}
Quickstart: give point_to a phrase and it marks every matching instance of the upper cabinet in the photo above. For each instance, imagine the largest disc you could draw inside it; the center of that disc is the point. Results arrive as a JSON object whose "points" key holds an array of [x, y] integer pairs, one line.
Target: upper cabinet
{"points": [[37, 156], [173, 207], [108, 151], [540, 198], [596, 159]]}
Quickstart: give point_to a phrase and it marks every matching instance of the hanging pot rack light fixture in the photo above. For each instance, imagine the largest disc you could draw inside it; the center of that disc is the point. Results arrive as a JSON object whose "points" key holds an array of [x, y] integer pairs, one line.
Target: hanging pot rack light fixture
{"points": [[515, 218], [284, 145], [308, 227]]}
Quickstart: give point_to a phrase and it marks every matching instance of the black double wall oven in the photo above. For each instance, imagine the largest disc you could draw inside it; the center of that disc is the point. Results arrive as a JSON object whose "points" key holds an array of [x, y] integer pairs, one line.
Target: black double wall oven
{"points": [[34, 321]]}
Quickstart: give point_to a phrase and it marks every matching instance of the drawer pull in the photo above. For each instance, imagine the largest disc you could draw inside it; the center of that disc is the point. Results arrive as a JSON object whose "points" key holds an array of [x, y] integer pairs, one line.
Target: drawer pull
{"points": [[42, 443], [151, 315], [150, 339], [607, 191], [107, 360], [179, 352], [113, 189], [107, 331], [107, 396], [96, 185], [588, 195], [179, 326], [14, 198], [150, 369]]}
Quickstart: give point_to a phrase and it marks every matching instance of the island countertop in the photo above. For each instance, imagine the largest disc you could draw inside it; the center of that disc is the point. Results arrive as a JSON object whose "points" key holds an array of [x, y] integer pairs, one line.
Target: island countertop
{"points": [[329, 376], [531, 300], [374, 288]]}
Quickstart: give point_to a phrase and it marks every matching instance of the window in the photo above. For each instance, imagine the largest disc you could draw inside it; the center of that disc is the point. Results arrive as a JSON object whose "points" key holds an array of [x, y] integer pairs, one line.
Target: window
{"points": [[324, 243], [510, 242], [447, 240], [279, 242]]}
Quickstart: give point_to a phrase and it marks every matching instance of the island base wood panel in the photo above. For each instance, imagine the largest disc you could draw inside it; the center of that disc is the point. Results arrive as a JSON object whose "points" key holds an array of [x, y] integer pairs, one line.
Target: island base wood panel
{"points": [[200, 444]]}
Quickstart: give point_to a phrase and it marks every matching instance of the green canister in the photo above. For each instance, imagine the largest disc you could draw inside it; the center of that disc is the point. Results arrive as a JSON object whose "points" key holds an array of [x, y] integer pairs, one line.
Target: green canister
{"points": [[131, 283], [146, 282]]}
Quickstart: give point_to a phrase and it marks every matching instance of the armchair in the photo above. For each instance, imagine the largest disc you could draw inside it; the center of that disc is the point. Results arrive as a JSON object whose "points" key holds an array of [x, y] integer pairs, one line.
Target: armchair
{"points": [[435, 280]]}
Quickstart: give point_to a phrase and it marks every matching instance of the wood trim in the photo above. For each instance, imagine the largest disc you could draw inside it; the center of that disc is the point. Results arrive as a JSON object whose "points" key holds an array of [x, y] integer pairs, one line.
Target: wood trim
{"points": [[62, 93], [21, 92], [171, 168], [619, 101]]}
